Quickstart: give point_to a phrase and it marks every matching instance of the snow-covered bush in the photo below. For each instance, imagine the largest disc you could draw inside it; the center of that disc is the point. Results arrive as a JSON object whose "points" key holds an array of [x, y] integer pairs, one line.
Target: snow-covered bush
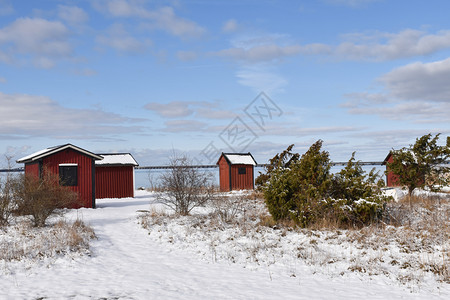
{"points": [[357, 198], [307, 194]]}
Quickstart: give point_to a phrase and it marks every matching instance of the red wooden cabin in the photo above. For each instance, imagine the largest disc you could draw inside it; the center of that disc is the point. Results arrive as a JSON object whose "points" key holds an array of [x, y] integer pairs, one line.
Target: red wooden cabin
{"points": [[75, 167], [114, 176], [236, 171], [391, 178]]}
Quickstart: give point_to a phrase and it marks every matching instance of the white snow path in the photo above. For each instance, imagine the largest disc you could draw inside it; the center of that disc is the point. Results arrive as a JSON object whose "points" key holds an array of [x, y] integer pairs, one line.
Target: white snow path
{"points": [[127, 264]]}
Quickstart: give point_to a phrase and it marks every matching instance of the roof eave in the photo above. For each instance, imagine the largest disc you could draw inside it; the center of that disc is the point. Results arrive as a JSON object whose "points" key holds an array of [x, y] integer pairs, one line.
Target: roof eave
{"points": [[58, 149]]}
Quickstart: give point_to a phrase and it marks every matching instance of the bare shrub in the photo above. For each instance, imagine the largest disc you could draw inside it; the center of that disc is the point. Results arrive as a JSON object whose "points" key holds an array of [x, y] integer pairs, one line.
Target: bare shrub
{"points": [[40, 198], [227, 207], [183, 188], [7, 204], [153, 217]]}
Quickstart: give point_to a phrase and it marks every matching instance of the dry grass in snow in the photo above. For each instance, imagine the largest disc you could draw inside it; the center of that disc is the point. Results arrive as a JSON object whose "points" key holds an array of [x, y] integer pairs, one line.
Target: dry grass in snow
{"points": [[410, 248], [23, 243]]}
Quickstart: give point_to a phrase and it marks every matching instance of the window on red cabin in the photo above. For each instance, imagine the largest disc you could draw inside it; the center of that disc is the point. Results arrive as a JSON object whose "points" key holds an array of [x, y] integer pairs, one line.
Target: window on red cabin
{"points": [[68, 175], [242, 171]]}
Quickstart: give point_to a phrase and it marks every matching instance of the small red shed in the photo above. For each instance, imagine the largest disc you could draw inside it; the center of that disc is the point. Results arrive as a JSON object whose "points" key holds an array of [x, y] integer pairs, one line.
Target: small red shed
{"points": [[236, 171], [114, 176], [75, 166], [391, 178]]}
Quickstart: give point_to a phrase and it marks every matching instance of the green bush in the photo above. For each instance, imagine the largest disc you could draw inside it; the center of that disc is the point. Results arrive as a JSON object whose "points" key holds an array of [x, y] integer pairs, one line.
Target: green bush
{"points": [[306, 192], [295, 192], [281, 160], [359, 196], [422, 164]]}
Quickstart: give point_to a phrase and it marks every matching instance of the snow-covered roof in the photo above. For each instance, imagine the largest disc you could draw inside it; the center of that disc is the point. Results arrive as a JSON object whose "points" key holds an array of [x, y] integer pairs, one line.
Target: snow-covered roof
{"points": [[51, 150], [117, 159], [240, 158]]}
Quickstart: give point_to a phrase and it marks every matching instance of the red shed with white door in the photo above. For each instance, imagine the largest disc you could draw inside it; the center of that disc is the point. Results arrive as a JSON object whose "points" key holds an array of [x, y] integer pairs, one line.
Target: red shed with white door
{"points": [[236, 171], [114, 176]]}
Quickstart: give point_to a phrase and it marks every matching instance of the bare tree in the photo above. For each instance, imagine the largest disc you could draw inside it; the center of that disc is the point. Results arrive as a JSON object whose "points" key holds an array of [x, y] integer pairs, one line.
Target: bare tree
{"points": [[183, 188], [7, 204]]}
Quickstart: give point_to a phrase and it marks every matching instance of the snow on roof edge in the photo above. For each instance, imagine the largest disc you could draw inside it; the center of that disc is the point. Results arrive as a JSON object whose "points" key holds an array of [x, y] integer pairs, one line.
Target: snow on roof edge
{"points": [[55, 149], [240, 158], [116, 159]]}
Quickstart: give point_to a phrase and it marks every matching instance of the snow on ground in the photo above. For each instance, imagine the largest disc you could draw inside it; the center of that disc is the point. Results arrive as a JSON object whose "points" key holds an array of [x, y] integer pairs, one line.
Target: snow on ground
{"points": [[398, 193], [128, 263]]}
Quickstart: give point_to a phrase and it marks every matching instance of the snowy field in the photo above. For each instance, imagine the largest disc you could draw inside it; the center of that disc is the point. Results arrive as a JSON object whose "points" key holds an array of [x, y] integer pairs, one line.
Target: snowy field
{"points": [[163, 261]]}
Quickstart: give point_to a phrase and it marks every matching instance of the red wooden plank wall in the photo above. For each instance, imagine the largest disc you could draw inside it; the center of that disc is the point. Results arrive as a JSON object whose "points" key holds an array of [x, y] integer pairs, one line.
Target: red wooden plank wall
{"points": [[32, 169], [84, 187], [391, 178], [224, 175], [242, 181], [114, 182]]}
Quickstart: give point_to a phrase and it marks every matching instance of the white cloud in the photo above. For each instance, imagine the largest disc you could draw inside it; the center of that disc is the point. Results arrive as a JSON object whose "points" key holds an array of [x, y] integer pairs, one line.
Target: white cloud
{"points": [[199, 109], [85, 72], [230, 26], [123, 8], [163, 18], [261, 78], [253, 49], [416, 112], [374, 46], [214, 111], [186, 55], [119, 39], [172, 109], [363, 100], [45, 41], [23, 116], [420, 81], [418, 92], [382, 46], [260, 53], [290, 130], [184, 126], [72, 14], [254, 55]]}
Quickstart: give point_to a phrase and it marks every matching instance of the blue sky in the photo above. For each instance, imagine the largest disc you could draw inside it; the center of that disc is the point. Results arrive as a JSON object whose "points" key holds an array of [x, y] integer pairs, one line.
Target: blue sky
{"points": [[200, 77]]}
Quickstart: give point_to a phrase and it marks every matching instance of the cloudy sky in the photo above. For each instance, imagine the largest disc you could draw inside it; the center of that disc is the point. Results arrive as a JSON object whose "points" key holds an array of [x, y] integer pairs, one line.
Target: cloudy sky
{"points": [[200, 77]]}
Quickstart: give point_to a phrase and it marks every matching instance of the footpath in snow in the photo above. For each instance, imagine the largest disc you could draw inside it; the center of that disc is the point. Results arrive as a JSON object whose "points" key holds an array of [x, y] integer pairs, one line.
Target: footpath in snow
{"points": [[127, 264]]}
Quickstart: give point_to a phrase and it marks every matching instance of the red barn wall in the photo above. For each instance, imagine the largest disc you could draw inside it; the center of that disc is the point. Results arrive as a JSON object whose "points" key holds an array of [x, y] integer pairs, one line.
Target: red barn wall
{"points": [[224, 175], [114, 181], [391, 178], [85, 163], [32, 169], [242, 181]]}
